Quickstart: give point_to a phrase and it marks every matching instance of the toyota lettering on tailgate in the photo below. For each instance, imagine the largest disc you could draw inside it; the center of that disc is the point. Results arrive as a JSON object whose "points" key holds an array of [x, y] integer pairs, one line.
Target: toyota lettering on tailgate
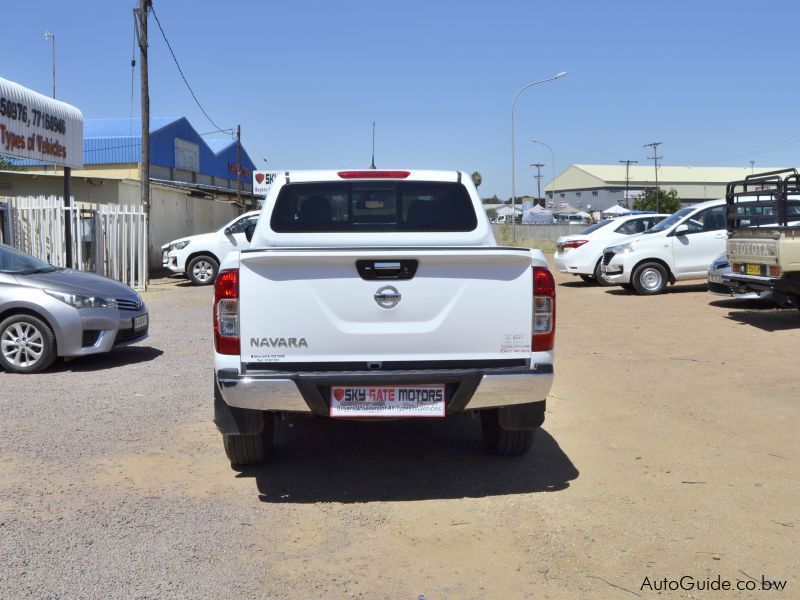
{"points": [[752, 249]]}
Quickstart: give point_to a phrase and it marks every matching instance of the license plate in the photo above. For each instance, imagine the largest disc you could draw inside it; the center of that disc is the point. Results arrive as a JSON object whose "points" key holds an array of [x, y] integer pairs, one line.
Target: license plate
{"points": [[387, 401], [140, 322], [753, 270], [714, 278]]}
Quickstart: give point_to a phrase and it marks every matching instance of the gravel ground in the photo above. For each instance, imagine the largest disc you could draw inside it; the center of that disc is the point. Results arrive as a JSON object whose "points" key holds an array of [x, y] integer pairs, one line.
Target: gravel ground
{"points": [[670, 449]]}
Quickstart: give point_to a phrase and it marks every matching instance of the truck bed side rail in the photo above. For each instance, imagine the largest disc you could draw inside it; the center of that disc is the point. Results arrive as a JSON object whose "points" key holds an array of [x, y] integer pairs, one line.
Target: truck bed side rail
{"points": [[767, 200]]}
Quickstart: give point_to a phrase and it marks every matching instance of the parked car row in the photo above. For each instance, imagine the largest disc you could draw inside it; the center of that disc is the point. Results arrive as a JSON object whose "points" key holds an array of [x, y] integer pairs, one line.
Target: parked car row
{"points": [[647, 253]]}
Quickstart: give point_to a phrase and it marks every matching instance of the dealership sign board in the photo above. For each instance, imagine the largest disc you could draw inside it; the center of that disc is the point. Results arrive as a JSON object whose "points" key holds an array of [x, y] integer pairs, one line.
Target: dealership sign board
{"points": [[35, 127], [262, 182]]}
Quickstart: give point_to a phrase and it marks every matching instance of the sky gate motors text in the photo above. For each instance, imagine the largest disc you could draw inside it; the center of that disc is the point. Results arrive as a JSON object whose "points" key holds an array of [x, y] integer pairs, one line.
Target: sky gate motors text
{"points": [[399, 394]]}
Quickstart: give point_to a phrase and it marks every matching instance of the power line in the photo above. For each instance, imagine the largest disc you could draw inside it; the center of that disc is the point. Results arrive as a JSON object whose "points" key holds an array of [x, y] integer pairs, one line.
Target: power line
{"points": [[177, 64]]}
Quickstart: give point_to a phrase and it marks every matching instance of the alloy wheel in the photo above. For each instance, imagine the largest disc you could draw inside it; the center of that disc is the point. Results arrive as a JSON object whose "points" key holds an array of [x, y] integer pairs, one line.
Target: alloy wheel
{"points": [[22, 344]]}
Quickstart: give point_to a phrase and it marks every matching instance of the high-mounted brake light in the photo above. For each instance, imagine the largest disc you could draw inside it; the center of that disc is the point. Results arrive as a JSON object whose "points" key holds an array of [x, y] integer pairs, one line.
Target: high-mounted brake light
{"points": [[373, 174], [226, 312], [544, 309]]}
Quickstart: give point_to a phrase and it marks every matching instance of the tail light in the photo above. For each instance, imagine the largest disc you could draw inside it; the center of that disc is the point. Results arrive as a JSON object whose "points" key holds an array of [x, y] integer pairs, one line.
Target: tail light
{"points": [[774, 271], [226, 312], [544, 309], [573, 244]]}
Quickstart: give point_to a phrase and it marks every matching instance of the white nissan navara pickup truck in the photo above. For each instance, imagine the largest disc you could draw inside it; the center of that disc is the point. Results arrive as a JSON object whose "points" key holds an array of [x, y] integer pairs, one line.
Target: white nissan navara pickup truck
{"points": [[376, 294]]}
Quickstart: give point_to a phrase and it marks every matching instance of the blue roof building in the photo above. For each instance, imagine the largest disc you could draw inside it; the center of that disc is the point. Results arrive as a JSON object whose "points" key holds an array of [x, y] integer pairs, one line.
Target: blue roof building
{"points": [[178, 153]]}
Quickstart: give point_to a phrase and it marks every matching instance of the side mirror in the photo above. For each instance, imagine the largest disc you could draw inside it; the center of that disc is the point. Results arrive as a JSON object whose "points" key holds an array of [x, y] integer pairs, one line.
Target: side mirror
{"points": [[249, 231], [682, 229], [228, 231]]}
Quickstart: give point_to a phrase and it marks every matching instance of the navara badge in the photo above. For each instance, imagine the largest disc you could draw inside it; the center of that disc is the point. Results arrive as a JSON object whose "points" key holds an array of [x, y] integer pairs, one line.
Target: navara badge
{"points": [[387, 296]]}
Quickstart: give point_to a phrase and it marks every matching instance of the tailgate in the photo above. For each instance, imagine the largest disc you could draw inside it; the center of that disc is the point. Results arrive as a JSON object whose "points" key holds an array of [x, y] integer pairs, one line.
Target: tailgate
{"points": [[314, 305]]}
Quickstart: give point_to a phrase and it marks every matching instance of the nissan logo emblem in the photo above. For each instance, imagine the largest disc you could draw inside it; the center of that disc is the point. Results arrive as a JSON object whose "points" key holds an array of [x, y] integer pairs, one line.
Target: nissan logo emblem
{"points": [[387, 297]]}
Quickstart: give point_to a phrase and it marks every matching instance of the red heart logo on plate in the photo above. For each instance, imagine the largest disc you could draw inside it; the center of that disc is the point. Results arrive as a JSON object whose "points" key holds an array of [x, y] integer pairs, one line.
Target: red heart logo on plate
{"points": [[260, 177], [338, 393]]}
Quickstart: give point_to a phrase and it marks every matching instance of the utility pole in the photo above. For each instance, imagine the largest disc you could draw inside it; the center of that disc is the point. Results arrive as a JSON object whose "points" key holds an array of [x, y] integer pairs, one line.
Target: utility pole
{"points": [[239, 165], [538, 177], [655, 158], [372, 165], [144, 164], [627, 164], [752, 164], [48, 35]]}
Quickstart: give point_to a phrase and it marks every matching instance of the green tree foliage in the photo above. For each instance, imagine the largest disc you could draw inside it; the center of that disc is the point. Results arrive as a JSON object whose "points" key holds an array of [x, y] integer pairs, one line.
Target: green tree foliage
{"points": [[6, 164], [668, 202]]}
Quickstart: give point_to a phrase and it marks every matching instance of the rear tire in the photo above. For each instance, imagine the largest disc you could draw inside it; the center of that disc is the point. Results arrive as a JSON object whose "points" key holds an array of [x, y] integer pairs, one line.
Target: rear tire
{"points": [[202, 270], [650, 279], [504, 442], [249, 449], [627, 287], [27, 344], [598, 274]]}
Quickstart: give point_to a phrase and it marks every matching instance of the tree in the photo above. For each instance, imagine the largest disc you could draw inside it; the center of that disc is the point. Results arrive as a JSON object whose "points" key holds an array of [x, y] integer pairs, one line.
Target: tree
{"points": [[477, 179], [668, 202], [6, 164]]}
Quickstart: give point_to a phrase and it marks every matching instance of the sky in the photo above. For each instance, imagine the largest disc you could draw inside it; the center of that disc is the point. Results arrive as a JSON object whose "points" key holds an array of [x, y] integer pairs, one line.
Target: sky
{"points": [[713, 80]]}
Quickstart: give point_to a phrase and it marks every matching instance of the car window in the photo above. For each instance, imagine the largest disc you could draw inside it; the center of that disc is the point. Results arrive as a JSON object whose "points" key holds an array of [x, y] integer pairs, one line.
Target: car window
{"points": [[670, 220], [15, 262], [240, 225], [373, 206], [627, 228], [595, 227], [710, 219]]}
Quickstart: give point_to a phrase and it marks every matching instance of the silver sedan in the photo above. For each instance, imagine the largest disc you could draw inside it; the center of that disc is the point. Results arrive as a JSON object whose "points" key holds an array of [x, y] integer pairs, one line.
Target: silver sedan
{"points": [[46, 311]]}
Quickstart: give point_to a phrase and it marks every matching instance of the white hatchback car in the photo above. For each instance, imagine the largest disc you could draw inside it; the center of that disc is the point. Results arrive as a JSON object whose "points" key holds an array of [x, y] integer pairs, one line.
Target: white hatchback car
{"points": [[581, 254]]}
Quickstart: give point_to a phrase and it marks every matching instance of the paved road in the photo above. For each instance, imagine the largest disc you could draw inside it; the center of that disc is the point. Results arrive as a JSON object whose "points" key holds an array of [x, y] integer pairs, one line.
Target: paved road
{"points": [[670, 449]]}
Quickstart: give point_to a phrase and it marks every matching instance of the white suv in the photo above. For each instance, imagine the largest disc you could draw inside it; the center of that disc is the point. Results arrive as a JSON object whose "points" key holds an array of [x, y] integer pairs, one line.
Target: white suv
{"points": [[581, 254], [678, 248], [199, 256]]}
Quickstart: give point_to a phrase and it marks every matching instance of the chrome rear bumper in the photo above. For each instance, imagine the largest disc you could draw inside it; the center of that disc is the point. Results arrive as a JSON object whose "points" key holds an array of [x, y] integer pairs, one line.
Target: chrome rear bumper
{"points": [[300, 392]]}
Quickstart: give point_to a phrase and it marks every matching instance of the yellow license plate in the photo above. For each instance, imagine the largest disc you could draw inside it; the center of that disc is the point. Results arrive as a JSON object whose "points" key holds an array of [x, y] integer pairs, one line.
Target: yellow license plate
{"points": [[753, 269]]}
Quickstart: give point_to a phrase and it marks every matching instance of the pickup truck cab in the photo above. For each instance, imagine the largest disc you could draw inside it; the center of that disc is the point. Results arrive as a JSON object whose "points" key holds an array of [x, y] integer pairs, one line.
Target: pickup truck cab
{"points": [[763, 214], [198, 256], [380, 294], [679, 248]]}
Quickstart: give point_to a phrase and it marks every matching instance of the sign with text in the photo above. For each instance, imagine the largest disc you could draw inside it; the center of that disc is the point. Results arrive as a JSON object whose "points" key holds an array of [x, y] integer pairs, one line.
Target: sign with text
{"points": [[35, 127], [262, 182]]}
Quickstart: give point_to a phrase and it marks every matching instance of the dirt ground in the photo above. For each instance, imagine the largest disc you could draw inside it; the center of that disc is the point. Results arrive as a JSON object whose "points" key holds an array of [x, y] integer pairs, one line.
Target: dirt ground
{"points": [[670, 449]]}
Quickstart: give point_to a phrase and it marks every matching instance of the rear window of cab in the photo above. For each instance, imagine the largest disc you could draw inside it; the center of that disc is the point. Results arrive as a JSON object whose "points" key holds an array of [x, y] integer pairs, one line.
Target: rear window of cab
{"points": [[371, 206]]}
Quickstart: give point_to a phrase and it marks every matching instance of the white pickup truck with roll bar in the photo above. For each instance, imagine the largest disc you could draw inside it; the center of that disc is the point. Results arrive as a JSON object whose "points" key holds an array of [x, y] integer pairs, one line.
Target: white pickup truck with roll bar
{"points": [[380, 294]]}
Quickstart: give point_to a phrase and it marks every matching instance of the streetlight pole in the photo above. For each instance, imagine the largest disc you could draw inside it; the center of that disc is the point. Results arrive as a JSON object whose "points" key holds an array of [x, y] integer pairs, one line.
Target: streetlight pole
{"points": [[52, 37], [553, 166], [513, 158]]}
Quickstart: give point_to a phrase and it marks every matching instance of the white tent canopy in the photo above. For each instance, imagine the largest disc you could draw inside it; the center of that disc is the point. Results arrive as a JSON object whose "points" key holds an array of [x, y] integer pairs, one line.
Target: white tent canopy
{"points": [[616, 210]]}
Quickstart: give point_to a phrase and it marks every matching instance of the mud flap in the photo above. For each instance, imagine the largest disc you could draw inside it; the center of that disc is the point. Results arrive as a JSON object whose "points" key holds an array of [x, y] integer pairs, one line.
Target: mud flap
{"points": [[233, 420], [521, 416]]}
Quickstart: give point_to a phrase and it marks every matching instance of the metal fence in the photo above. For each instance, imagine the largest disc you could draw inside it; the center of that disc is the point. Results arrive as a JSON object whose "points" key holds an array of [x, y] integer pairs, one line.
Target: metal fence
{"points": [[110, 240]]}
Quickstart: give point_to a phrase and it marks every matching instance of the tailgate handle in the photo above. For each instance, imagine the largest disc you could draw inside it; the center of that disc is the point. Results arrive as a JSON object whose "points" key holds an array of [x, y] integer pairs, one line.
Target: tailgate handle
{"points": [[371, 270]]}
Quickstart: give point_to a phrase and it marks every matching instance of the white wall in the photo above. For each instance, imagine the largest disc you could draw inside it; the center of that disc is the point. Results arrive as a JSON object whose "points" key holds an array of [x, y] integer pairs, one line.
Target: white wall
{"points": [[175, 214]]}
